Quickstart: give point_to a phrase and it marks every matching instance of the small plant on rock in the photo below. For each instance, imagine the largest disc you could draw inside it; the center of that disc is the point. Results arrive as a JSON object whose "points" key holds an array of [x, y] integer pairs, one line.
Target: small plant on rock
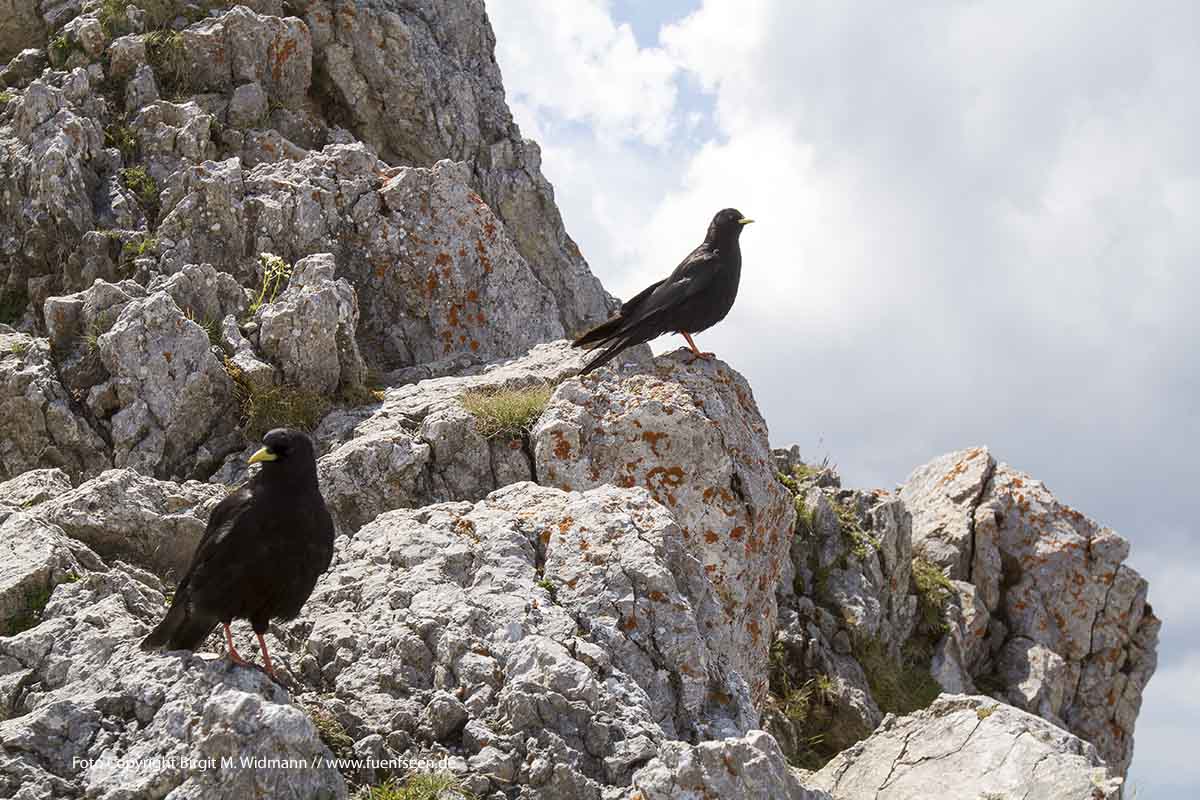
{"points": [[506, 413], [166, 54], [276, 271], [421, 786]]}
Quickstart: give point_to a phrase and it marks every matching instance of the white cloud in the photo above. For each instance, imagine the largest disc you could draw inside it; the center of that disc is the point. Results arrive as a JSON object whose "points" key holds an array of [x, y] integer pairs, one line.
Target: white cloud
{"points": [[569, 62]]}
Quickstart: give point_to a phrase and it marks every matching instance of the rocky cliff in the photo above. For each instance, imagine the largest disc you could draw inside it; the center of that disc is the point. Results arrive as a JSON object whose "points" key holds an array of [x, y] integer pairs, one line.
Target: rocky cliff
{"points": [[216, 219]]}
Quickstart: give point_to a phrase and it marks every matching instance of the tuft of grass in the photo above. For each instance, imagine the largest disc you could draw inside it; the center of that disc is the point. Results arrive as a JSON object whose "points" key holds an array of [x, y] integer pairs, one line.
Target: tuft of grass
{"points": [[506, 413], [19, 347], [276, 272], [354, 396], [933, 592], [12, 305], [211, 328], [983, 712], [276, 407], [6, 97], [99, 326], [136, 249], [332, 732], [165, 53], [551, 589], [421, 786], [35, 606], [899, 685], [142, 184], [124, 138], [59, 50]]}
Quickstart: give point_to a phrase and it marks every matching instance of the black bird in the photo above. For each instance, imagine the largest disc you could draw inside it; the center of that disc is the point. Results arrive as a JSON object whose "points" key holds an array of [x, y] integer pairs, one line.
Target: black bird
{"points": [[696, 296], [262, 552]]}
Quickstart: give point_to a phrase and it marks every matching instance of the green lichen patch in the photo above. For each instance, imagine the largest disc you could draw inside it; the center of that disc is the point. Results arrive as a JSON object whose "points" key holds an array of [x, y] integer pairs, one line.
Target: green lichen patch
{"points": [[506, 413]]}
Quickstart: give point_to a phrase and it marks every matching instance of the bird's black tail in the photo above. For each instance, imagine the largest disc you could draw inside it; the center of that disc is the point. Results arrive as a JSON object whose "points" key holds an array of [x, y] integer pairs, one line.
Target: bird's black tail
{"points": [[607, 354], [599, 334], [179, 630]]}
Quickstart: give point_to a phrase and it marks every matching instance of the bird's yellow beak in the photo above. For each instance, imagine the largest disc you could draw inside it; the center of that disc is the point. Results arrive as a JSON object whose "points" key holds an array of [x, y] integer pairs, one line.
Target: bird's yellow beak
{"points": [[264, 454], [745, 221]]}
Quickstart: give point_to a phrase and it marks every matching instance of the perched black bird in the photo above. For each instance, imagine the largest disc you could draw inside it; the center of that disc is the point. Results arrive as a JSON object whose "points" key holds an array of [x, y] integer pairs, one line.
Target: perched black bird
{"points": [[262, 552], [696, 296]]}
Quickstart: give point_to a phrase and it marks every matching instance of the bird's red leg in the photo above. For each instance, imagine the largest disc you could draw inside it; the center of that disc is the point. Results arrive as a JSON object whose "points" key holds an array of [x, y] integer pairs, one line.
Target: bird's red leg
{"points": [[234, 656], [266, 656], [692, 345]]}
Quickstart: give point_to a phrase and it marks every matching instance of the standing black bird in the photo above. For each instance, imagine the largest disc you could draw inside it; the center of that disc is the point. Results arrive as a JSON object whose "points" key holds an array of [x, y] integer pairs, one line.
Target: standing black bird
{"points": [[262, 552], [696, 296]]}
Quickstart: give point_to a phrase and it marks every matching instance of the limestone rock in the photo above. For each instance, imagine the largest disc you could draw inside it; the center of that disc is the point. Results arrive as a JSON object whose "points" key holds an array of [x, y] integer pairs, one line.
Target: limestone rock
{"points": [[94, 696], [748, 767], [1074, 638], [690, 433], [444, 100], [124, 515], [309, 329], [565, 625], [40, 425], [421, 445], [169, 401], [33, 487], [968, 747]]}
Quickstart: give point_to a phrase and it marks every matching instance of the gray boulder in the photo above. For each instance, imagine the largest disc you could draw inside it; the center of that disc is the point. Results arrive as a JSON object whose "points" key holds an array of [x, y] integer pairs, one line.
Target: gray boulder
{"points": [[33, 487], [309, 329], [40, 424], [1072, 638], [92, 715], [968, 747], [690, 433], [124, 515], [743, 768]]}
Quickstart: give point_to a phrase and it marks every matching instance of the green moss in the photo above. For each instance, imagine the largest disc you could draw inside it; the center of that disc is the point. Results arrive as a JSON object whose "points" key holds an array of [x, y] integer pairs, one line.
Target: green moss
{"points": [[12, 305], [276, 272], [933, 591], [35, 605], [421, 786], [506, 413], [983, 712], [19, 347], [331, 731], [166, 54], [900, 685], [6, 97], [124, 138]]}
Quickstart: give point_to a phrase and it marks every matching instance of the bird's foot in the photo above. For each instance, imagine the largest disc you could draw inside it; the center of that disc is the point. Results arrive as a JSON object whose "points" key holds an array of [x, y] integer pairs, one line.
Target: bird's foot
{"points": [[234, 655]]}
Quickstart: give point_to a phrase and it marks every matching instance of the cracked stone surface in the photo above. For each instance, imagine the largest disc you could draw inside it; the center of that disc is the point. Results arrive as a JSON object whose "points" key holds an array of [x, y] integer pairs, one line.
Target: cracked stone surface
{"points": [[1072, 636], [750, 766], [689, 432], [965, 746]]}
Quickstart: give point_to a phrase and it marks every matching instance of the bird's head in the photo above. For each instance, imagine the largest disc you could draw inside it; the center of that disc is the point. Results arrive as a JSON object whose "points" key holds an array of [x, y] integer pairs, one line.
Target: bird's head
{"points": [[728, 224], [286, 451]]}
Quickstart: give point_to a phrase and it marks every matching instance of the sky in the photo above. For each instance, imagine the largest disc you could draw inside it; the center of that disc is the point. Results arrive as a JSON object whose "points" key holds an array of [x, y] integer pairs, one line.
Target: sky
{"points": [[977, 223]]}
